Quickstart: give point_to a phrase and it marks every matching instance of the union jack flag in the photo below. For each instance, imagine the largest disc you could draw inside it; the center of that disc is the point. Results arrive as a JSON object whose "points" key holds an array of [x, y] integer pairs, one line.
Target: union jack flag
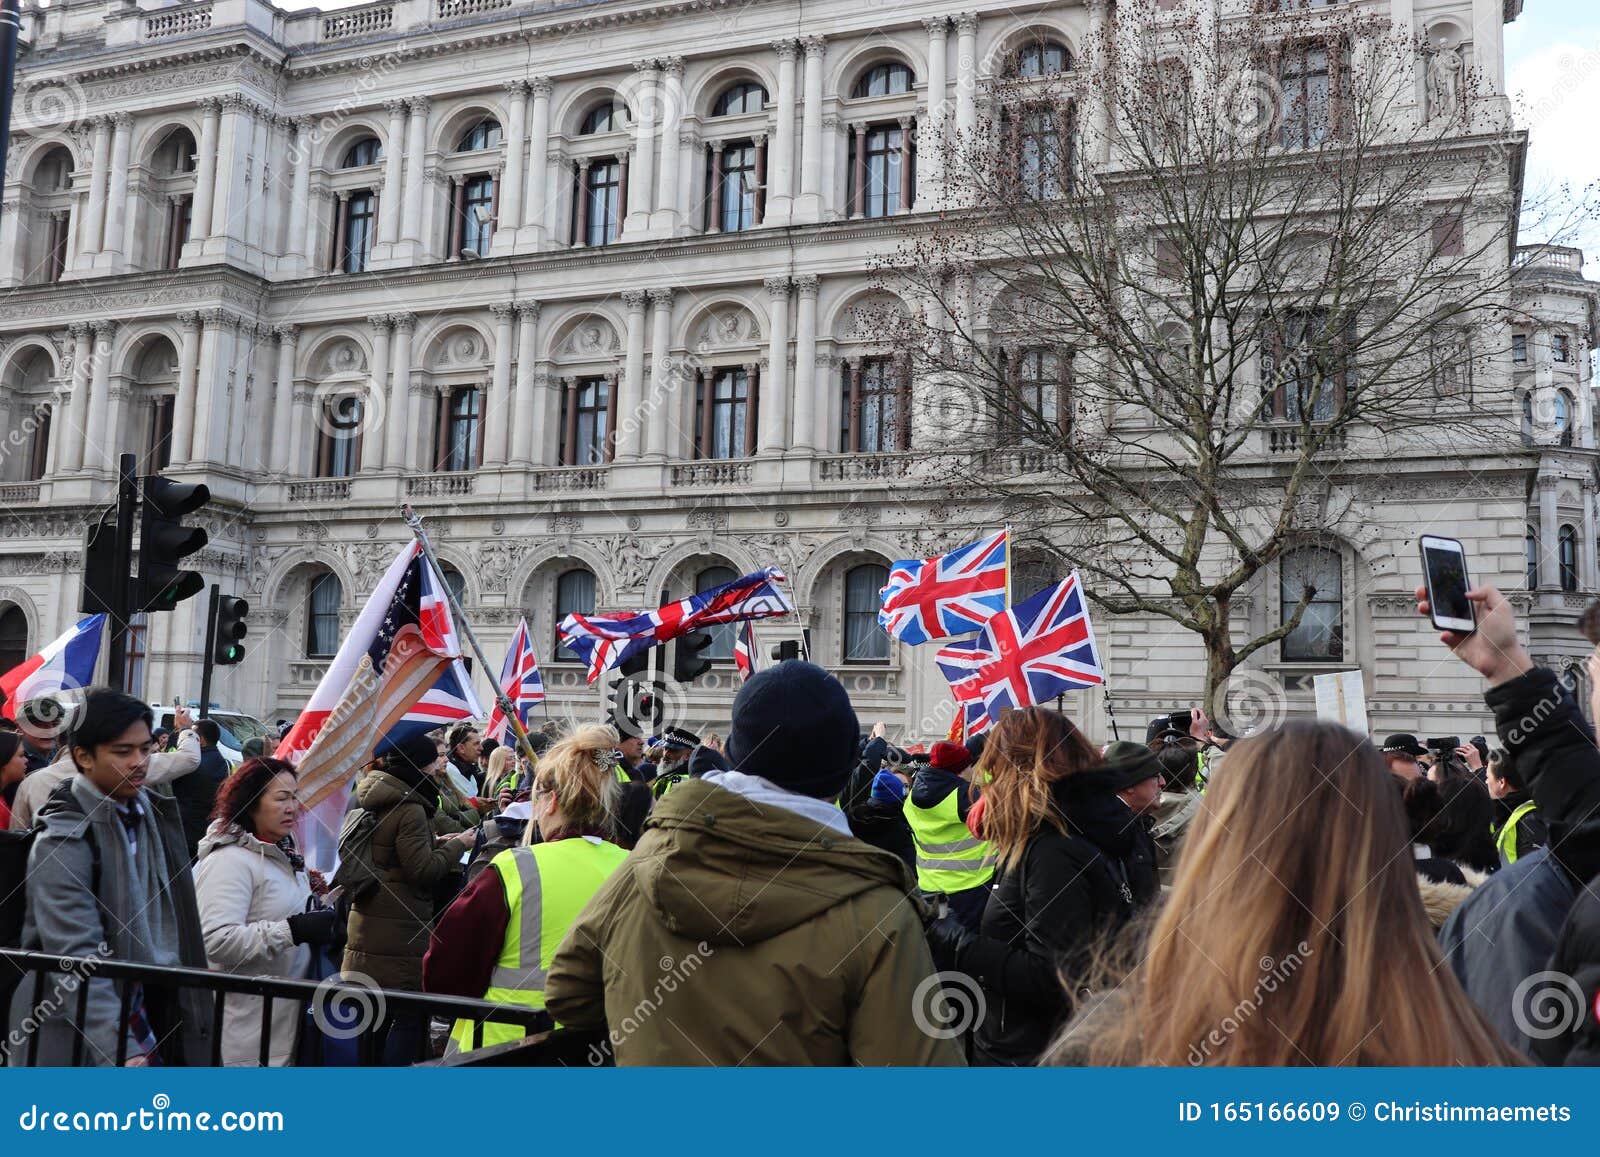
{"points": [[519, 680], [1027, 654], [605, 641], [744, 650], [953, 594]]}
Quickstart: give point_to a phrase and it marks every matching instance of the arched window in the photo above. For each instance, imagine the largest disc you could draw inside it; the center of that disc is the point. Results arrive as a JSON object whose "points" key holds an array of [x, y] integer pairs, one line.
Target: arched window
{"points": [[457, 583], [339, 438], [1530, 547], [1567, 557], [366, 151], [608, 117], [864, 640], [1041, 58], [574, 595], [1320, 634], [746, 96], [485, 134], [13, 639], [176, 154], [1564, 407], [1032, 575], [888, 79], [322, 616], [722, 638], [49, 221]]}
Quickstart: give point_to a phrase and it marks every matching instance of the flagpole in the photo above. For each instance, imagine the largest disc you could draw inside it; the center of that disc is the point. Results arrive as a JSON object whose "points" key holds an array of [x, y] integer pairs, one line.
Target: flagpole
{"points": [[1110, 713], [414, 521]]}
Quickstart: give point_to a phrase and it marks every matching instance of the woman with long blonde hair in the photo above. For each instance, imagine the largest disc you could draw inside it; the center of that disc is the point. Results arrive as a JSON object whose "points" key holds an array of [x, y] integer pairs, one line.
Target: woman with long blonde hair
{"points": [[1063, 841], [496, 941], [1294, 933]]}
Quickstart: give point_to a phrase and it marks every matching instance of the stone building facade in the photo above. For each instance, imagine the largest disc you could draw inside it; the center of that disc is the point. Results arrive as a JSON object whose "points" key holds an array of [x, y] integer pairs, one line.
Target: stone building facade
{"points": [[582, 284]]}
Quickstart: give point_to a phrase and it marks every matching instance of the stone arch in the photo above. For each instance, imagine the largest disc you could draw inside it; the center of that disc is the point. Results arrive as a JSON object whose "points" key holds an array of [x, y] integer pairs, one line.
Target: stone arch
{"points": [[570, 114], [460, 118], [461, 563], [842, 77], [276, 582], [287, 605], [1004, 42], [20, 599], [347, 133], [724, 323], [707, 547], [1445, 32], [335, 353], [846, 320], [710, 87], [22, 350], [456, 343], [587, 334], [40, 148], [133, 345], [150, 138], [561, 553], [827, 567], [830, 552]]}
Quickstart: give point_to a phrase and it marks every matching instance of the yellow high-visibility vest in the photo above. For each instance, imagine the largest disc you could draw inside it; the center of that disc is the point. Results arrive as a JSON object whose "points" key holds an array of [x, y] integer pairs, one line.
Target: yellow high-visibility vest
{"points": [[546, 886], [949, 857], [1506, 838]]}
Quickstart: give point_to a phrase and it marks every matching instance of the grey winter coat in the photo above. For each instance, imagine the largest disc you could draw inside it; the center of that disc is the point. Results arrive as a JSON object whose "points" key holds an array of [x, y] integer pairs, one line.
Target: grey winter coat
{"points": [[78, 910]]}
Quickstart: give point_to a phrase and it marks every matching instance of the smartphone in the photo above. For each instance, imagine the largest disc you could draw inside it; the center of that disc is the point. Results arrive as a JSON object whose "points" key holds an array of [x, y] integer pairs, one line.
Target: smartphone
{"points": [[1444, 570]]}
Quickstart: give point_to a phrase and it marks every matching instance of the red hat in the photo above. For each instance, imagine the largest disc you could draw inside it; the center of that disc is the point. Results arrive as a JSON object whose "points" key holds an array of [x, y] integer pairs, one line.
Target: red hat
{"points": [[951, 757]]}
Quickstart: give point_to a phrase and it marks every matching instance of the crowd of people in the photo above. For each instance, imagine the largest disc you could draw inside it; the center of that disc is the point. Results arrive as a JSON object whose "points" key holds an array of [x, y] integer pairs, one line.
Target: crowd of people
{"points": [[801, 893]]}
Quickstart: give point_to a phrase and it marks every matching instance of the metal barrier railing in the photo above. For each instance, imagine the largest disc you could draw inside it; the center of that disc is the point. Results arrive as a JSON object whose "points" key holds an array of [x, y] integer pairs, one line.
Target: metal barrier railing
{"points": [[326, 995]]}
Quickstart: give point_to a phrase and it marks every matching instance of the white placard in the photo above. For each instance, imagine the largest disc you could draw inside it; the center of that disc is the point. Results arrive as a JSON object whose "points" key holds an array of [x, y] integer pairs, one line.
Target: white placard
{"points": [[1342, 698]]}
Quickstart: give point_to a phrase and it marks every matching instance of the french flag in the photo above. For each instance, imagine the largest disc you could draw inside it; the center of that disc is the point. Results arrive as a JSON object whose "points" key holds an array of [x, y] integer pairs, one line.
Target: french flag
{"points": [[65, 665]]}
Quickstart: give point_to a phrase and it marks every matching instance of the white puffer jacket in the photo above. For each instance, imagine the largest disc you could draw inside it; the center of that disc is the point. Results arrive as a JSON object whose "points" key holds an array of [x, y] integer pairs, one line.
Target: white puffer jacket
{"points": [[247, 892]]}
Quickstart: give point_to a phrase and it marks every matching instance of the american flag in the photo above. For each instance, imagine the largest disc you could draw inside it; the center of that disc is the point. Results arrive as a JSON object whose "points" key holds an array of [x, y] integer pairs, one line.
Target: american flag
{"points": [[953, 594], [605, 641], [1027, 654], [744, 650], [519, 681]]}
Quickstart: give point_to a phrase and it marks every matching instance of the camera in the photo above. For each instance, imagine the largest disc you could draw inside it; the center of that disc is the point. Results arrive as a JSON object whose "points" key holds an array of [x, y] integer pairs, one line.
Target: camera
{"points": [[1443, 745]]}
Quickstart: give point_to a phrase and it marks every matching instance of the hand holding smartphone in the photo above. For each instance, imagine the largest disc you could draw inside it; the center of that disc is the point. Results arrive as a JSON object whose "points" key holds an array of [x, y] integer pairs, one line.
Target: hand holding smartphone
{"points": [[1444, 572]]}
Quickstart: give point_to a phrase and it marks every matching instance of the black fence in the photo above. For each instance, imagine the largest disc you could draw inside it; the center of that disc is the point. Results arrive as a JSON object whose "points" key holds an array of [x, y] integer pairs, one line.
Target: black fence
{"points": [[542, 1045]]}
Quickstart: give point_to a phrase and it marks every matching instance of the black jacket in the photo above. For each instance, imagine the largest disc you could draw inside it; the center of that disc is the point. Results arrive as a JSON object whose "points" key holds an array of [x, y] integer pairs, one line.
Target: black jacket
{"points": [[1531, 830], [873, 823], [196, 792], [1554, 749], [1045, 917]]}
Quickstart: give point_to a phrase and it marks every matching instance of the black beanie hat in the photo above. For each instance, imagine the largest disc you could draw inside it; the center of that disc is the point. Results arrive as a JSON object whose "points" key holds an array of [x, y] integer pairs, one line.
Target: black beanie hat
{"points": [[1128, 763], [414, 751], [793, 725]]}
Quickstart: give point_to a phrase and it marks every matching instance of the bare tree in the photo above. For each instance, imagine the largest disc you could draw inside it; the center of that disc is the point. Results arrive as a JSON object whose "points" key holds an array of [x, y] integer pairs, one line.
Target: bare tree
{"points": [[1185, 289]]}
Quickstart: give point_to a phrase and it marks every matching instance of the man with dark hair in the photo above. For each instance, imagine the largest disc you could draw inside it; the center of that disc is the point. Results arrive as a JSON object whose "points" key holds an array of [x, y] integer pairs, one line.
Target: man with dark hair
{"points": [[197, 791], [1518, 827], [463, 748], [108, 877]]}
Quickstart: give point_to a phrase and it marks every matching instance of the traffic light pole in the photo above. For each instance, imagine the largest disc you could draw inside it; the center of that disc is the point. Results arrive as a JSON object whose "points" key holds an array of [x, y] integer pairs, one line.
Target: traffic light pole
{"points": [[209, 659], [127, 501]]}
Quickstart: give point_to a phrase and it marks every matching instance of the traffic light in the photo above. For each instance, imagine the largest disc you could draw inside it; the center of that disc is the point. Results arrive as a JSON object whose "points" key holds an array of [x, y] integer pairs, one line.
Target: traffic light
{"points": [[164, 540], [687, 665], [788, 649], [231, 627]]}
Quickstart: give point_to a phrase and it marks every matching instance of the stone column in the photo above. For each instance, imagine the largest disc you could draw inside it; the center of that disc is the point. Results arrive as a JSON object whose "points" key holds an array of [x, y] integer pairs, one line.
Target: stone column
{"points": [[283, 415], [780, 193], [98, 436], [580, 232], [95, 214], [1549, 536], [372, 456], [908, 191], [629, 431], [527, 414], [299, 433], [82, 351], [205, 179], [416, 149], [183, 406], [858, 194], [60, 402], [774, 404], [966, 73], [754, 388], [211, 381], [805, 364], [714, 194], [510, 191], [497, 414], [534, 202], [1586, 549], [393, 203], [930, 161], [664, 379], [397, 418], [668, 204], [117, 194], [232, 142], [299, 240], [642, 181], [809, 206], [853, 407]]}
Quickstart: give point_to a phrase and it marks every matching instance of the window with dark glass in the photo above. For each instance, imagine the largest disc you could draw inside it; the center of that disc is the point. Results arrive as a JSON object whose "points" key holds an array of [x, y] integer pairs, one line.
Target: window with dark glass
{"points": [[457, 582], [477, 214], [1560, 347], [878, 423], [360, 217], [180, 216], [864, 640], [159, 452], [1564, 417], [881, 172], [366, 151], [483, 135], [1041, 58], [1527, 417], [1037, 385], [1567, 557], [463, 433], [1299, 367], [730, 415], [39, 449], [722, 637], [322, 616], [14, 649], [1307, 108], [1039, 137], [608, 117], [1519, 348], [590, 408], [746, 96], [574, 596], [339, 443], [1530, 547], [603, 194], [1320, 634], [888, 79], [1030, 576], [737, 195]]}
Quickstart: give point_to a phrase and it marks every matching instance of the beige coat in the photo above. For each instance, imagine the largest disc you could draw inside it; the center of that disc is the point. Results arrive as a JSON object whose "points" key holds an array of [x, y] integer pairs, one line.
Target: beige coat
{"points": [[247, 891]]}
